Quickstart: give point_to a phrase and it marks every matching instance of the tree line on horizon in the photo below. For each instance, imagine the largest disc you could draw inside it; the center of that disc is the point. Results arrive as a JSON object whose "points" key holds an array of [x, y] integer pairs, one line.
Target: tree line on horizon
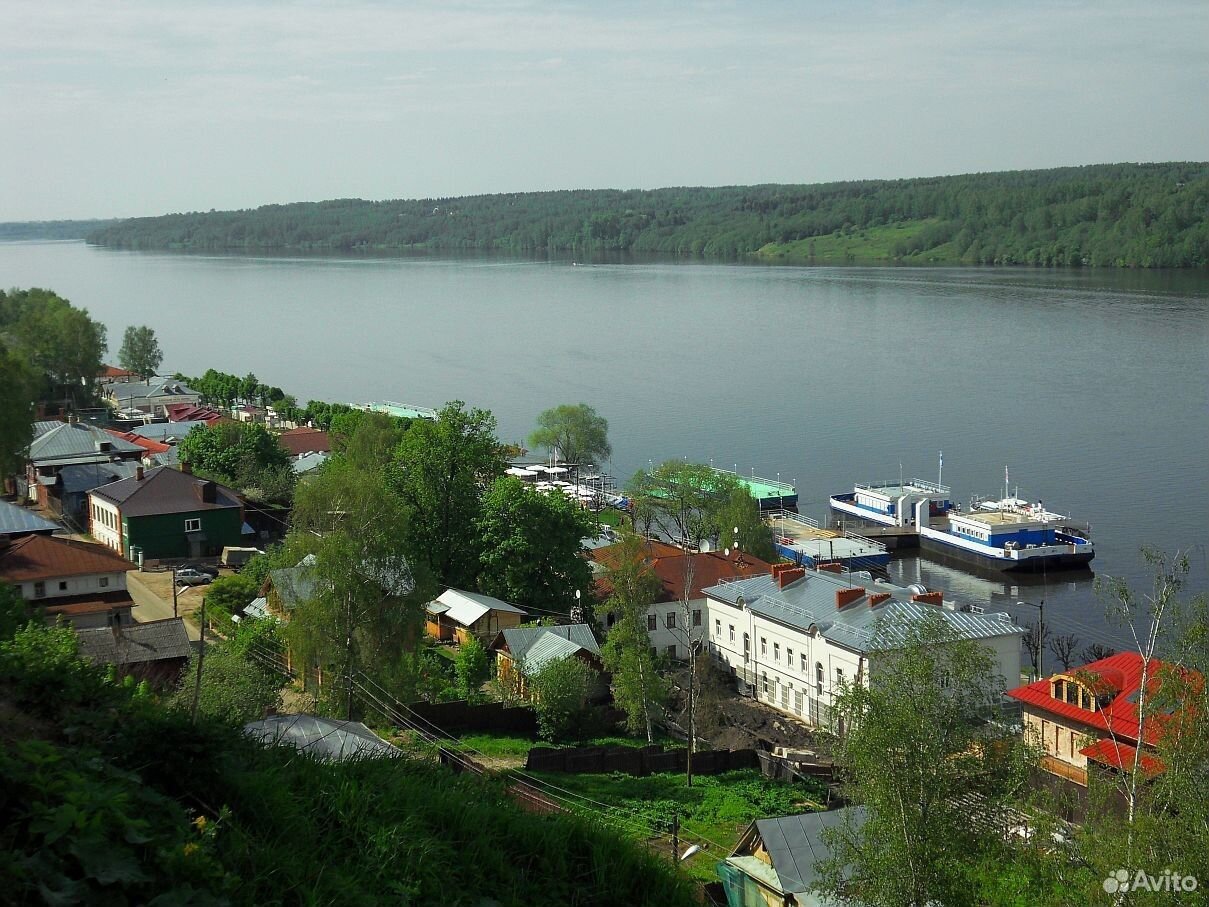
{"points": [[1105, 215]]}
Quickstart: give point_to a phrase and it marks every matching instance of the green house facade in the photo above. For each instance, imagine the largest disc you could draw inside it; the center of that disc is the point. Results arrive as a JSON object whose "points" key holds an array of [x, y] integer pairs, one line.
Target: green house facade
{"points": [[165, 514]]}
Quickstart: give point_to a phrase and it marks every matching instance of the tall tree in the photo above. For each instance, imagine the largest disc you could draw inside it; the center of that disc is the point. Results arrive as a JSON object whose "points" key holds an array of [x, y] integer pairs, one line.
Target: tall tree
{"points": [[741, 511], [440, 471], [243, 455], [637, 687], [368, 605], [16, 411], [140, 352], [58, 340], [926, 769], [682, 500], [532, 546], [575, 433]]}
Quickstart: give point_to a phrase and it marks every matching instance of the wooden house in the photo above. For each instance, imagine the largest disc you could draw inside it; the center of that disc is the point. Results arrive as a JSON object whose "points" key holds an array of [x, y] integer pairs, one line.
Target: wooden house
{"points": [[456, 616]]}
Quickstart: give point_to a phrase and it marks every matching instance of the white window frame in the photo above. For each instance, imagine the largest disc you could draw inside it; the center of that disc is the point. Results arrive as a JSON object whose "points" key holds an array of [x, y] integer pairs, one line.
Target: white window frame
{"points": [[193, 524]]}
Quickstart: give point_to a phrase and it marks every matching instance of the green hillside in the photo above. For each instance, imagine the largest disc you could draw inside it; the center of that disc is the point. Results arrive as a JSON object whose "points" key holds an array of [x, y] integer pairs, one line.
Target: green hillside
{"points": [[1107, 215]]}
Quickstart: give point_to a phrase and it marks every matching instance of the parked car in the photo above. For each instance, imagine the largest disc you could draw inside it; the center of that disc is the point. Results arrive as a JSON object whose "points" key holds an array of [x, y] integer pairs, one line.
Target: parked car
{"points": [[211, 572], [189, 577]]}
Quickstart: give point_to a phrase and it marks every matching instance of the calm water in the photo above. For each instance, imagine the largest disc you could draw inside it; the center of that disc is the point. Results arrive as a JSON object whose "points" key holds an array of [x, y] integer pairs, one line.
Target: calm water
{"points": [[1093, 388]]}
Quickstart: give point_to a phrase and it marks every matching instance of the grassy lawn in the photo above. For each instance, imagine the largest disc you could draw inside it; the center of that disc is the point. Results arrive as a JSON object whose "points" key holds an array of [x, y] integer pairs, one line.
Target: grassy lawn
{"points": [[511, 745], [873, 244], [614, 518], [716, 807]]}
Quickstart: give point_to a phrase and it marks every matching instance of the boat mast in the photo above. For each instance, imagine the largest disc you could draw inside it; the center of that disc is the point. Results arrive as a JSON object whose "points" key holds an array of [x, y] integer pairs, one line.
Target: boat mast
{"points": [[940, 470]]}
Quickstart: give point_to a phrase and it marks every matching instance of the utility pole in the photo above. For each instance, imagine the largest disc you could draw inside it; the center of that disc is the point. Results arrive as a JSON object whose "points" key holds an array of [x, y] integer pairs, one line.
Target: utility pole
{"points": [[201, 656], [348, 654]]}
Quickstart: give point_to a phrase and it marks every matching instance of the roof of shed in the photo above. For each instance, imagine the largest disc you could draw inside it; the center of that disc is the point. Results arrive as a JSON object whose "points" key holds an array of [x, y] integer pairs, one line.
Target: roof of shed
{"points": [[468, 607], [521, 639], [136, 643], [16, 520], [323, 738], [795, 844]]}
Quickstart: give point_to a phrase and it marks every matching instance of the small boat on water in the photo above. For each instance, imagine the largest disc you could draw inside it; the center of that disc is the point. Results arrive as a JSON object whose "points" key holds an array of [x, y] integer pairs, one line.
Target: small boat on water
{"points": [[1007, 534]]}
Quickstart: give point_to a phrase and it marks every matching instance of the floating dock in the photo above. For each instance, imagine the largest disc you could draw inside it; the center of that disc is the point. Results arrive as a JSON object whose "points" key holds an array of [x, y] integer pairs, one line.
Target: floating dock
{"points": [[398, 410], [770, 494], [801, 540]]}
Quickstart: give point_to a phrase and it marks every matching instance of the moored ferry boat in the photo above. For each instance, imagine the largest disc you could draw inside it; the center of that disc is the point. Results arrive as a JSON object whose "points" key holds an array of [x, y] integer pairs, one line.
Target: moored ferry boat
{"points": [[1007, 534]]}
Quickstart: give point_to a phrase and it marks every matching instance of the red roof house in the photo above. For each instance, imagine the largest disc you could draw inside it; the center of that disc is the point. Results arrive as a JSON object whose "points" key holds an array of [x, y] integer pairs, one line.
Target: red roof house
{"points": [[1091, 714], [152, 447], [303, 440]]}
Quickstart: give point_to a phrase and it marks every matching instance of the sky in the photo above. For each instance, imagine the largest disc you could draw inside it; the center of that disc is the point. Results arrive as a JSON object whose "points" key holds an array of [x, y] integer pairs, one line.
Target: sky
{"points": [[139, 108]]}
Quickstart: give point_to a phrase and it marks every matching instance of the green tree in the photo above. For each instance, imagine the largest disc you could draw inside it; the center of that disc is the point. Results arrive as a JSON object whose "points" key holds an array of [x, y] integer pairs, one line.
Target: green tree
{"points": [[366, 439], [575, 433], [230, 594], [532, 546], [235, 687], [14, 612], [559, 690], [740, 510], [243, 455], [140, 352], [637, 687], [929, 771], [16, 411], [59, 341], [367, 608], [472, 667], [682, 500], [440, 469]]}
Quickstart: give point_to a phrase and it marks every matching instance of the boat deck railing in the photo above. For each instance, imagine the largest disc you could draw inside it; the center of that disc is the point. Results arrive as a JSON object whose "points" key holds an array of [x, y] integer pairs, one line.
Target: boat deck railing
{"points": [[919, 484], [773, 484]]}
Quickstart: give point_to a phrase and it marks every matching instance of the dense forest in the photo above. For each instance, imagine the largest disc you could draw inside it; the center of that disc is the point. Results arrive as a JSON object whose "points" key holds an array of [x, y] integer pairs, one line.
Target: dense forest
{"points": [[51, 229], [1113, 215]]}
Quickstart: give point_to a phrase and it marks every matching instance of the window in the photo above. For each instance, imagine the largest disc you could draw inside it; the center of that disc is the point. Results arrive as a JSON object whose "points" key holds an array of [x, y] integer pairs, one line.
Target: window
{"points": [[776, 652], [192, 525], [654, 652], [732, 632], [803, 662], [671, 651], [696, 617], [104, 581], [652, 622], [789, 657], [718, 630], [62, 585], [746, 643], [671, 620], [39, 589], [764, 683], [818, 677], [763, 646], [839, 676], [784, 697]]}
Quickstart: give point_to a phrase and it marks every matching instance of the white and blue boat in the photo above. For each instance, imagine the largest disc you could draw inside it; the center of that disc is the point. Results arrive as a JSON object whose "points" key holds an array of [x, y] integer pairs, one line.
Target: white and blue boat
{"points": [[1007, 534]]}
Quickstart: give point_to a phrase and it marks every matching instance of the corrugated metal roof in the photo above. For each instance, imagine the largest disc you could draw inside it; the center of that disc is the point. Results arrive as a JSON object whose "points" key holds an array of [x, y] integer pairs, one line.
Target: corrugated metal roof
{"points": [[547, 649], [78, 439], [87, 476], [16, 520], [811, 602], [156, 387], [520, 639], [167, 431], [321, 737], [795, 844], [136, 643], [467, 607]]}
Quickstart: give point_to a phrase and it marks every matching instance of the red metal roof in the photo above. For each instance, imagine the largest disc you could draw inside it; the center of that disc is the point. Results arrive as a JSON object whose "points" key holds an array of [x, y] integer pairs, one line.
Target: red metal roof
{"points": [[1119, 755], [1120, 674], [43, 557], [671, 565], [146, 443], [305, 440]]}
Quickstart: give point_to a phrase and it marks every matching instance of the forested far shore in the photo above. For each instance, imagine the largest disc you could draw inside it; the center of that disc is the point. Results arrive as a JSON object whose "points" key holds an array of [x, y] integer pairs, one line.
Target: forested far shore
{"points": [[13, 231], [1104, 215]]}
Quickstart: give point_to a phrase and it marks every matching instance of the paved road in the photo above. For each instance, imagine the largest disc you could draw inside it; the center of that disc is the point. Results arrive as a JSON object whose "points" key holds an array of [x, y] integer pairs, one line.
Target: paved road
{"points": [[149, 606]]}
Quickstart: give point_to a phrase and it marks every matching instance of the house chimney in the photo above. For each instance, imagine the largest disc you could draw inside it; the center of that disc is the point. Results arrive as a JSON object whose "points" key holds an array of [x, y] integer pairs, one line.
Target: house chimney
{"points": [[785, 577], [187, 467], [877, 598], [848, 596], [929, 598], [138, 473], [830, 567]]}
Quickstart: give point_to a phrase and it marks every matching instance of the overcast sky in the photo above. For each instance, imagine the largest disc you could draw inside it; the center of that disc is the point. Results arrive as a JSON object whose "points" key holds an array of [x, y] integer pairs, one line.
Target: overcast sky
{"points": [[115, 109]]}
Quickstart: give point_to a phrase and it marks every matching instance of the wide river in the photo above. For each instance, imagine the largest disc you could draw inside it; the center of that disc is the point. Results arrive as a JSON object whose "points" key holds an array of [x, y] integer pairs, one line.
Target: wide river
{"points": [[1092, 388]]}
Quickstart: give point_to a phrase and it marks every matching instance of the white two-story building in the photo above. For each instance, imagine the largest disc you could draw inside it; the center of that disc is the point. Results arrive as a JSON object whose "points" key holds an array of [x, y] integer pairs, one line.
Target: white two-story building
{"points": [[793, 637]]}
